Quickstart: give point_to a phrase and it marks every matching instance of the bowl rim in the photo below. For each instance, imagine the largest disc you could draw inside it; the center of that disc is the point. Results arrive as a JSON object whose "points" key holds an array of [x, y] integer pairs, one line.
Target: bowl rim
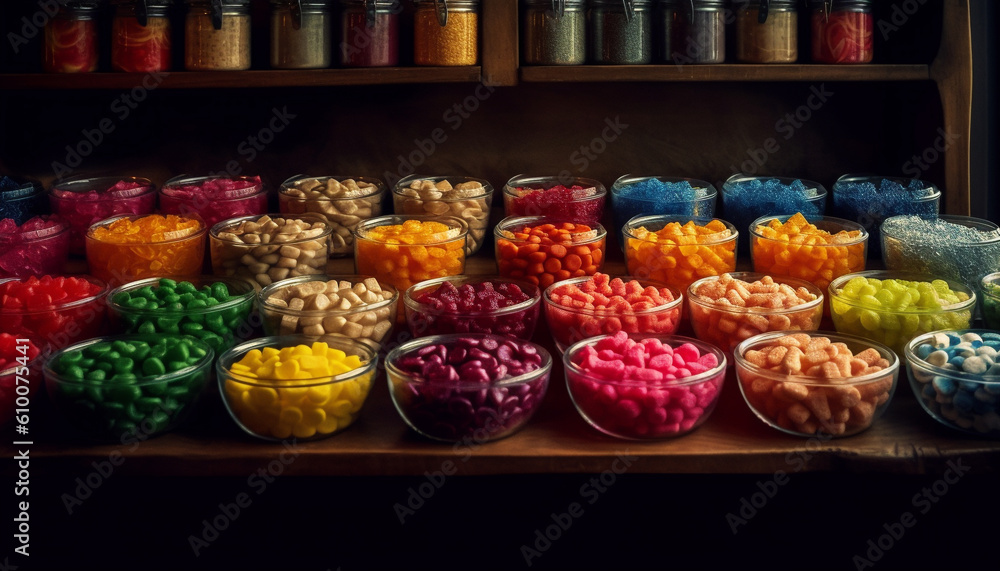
{"points": [[85, 182], [710, 192], [909, 351], [411, 303], [267, 291], [980, 224], [197, 234], [286, 185], [532, 221], [403, 184], [837, 284], [398, 219], [548, 181], [810, 305], [105, 288], [642, 219], [310, 217], [905, 182], [677, 302], [230, 281], [884, 350], [227, 358], [169, 188], [846, 226], [542, 372], [719, 369], [203, 364], [61, 227], [810, 185]]}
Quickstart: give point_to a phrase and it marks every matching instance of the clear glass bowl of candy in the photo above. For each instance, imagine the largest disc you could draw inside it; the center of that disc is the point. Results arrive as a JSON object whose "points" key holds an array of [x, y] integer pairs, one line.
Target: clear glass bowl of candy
{"points": [[466, 197], [869, 200], [956, 377], [39, 246], [296, 386], [990, 300], [128, 386], [635, 195], [467, 385], [571, 198], [214, 198], [644, 387], [53, 311], [344, 200], [126, 248], [544, 250], [473, 304], [83, 201], [815, 383]]}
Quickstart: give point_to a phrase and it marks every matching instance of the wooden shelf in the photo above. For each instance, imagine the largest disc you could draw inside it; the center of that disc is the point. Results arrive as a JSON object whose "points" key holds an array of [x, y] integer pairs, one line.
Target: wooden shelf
{"points": [[726, 72]]}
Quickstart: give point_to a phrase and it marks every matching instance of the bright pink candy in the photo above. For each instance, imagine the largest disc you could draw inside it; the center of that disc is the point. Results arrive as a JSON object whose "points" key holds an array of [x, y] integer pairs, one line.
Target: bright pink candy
{"points": [[39, 246], [215, 199], [472, 308], [641, 389], [577, 203], [80, 206]]}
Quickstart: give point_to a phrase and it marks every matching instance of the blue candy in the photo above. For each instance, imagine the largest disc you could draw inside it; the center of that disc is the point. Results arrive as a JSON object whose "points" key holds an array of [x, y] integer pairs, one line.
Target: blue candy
{"points": [[956, 360], [963, 401], [944, 385]]}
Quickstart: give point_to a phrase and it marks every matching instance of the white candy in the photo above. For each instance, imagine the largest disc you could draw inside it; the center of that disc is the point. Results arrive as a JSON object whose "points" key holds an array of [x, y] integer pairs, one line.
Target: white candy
{"points": [[941, 340], [971, 337], [938, 358], [975, 365], [987, 352]]}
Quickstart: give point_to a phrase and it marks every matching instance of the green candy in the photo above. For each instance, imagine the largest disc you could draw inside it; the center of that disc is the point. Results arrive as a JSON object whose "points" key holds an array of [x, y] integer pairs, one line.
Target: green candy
{"points": [[153, 367], [167, 283]]}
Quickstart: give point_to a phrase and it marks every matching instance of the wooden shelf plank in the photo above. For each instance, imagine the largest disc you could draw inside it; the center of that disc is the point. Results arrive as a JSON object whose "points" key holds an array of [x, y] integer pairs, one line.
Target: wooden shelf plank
{"points": [[240, 79], [726, 72]]}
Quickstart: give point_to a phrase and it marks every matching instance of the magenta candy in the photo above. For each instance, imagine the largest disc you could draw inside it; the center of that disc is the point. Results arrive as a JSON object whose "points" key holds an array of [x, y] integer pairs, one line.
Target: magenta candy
{"points": [[214, 198], [653, 387], [582, 201], [82, 202], [457, 387], [461, 304], [38, 247]]}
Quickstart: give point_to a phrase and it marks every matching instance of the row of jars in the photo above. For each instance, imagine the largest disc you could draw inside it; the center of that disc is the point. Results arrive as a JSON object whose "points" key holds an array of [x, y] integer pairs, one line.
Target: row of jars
{"points": [[217, 34], [573, 32]]}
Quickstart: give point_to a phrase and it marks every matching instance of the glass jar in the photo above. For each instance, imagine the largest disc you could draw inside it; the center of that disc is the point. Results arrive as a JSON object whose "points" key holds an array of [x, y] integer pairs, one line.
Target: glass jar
{"points": [[217, 35], [300, 34], [370, 33], [766, 31], [70, 44], [554, 32], [140, 36], [692, 31], [843, 31], [446, 32], [621, 31]]}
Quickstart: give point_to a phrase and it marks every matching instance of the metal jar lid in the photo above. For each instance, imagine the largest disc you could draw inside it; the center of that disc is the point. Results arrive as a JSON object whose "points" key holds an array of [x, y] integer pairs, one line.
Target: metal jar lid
{"points": [[443, 7]]}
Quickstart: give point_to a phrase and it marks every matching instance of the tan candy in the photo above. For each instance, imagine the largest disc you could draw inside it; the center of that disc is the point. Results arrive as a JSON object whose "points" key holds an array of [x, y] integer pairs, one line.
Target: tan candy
{"points": [[343, 203], [357, 310], [271, 249], [469, 201]]}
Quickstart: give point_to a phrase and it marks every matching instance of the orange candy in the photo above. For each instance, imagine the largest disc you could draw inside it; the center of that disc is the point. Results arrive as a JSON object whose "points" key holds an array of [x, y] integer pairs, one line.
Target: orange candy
{"points": [[133, 248], [411, 252], [679, 255], [802, 250], [546, 253]]}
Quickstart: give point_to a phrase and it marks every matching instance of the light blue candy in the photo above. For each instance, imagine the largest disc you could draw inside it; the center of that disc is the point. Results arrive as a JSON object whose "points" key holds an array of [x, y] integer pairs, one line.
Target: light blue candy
{"points": [[990, 335], [944, 385], [957, 361], [924, 350], [969, 386], [955, 339]]}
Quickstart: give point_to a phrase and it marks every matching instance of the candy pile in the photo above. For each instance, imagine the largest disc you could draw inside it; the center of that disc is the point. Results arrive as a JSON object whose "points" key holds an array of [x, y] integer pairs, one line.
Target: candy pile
{"points": [[870, 201], [893, 311], [474, 307], [747, 200], [214, 199], [15, 360], [154, 245], [267, 250], [118, 387], [579, 309], [214, 312], [343, 203], [654, 196], [679, 254], [546, 253], [808, 385], [991, 303], [37, 247], [20, 201], [305, 391], [411, 252], [82, 203], [468, 200], [456, 389], [52, 311], [646, 388], [726, 310], [799, 249], [359, 310], [578, 203], [960, 383]]}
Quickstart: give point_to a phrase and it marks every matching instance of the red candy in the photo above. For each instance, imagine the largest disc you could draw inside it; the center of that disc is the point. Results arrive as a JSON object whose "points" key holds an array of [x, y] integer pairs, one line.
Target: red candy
{"points": [[52, 311], [587, 307], [39, 246], [477, 307], [214, 199], [646, 388], [577, 203], [17, 360], [82, 202]]}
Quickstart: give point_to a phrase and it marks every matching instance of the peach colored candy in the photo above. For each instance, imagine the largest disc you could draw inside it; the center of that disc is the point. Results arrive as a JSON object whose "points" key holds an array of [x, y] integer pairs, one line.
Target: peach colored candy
{"points": [[832, 408], [801, 250], [549, 253], [404, 254], [727, 310], [679, 255]]}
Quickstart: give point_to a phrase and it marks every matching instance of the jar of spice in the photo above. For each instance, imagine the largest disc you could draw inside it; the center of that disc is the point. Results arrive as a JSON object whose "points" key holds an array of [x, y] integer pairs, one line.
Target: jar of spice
{"points": [[300, 34], [140, 36], [446, 32], [766, 31], [843, 31], [217, 35], [71, 38], [692, 31], [370, 33], [554, 32], [621, 31]]}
